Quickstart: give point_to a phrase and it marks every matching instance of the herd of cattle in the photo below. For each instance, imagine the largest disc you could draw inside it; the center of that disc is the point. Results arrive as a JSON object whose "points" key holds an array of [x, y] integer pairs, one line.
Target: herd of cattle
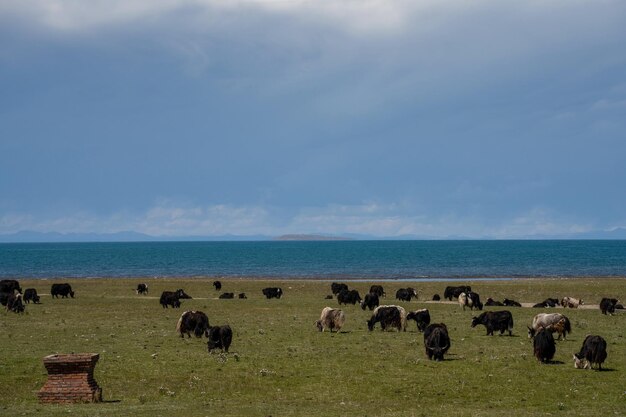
{"points": [[436, 337]]}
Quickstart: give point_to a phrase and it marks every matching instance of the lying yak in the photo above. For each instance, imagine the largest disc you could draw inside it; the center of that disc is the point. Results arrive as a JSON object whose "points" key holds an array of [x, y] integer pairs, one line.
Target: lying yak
{"points": [[547, 303], [592, 351], [493, 303], [495, 320], [511, 303], [388, 317], [421, 317], [193, 321], [436, 341], [571, 302], [331, 319], [554, 322], [220, 337]]}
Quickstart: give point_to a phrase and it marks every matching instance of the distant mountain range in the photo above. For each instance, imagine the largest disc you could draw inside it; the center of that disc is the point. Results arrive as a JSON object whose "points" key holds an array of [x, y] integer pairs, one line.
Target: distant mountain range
{"points": [[130, 236], [310, 237]]}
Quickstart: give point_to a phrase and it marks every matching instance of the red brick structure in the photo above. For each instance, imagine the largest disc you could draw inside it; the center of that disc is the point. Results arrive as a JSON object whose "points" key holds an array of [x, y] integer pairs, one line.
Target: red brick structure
{"points": [[70, 379]]}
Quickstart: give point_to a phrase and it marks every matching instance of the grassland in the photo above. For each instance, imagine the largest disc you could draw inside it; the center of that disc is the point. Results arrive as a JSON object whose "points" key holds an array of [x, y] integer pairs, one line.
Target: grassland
{"points": [[280, 365]]}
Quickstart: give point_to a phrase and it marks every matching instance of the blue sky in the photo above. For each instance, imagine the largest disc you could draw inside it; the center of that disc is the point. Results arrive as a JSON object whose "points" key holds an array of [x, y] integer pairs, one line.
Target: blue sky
{"points": [[434, 118]]}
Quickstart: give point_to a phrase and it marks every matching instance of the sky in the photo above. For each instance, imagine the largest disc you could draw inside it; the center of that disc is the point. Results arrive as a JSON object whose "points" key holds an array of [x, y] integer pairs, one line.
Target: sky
{"points": [[376, 117]]}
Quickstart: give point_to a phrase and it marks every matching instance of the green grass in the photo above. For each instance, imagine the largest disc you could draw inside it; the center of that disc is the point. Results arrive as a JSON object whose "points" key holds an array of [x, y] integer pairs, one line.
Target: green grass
{"points": [[280, 365]]}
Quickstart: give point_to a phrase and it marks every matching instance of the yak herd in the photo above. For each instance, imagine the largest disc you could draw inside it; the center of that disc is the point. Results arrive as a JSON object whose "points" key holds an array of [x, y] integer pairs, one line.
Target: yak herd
{"points": [[436, 336]]}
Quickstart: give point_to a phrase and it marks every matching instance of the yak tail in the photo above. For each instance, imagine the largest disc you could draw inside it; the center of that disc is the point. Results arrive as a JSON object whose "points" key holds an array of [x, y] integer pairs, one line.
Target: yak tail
{"points": [[180, 321], [510, 323]]}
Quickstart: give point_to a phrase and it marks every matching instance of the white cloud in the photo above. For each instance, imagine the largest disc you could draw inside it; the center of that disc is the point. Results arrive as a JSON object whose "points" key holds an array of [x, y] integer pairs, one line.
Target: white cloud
{"points": [[168, 219], [355, 16]]}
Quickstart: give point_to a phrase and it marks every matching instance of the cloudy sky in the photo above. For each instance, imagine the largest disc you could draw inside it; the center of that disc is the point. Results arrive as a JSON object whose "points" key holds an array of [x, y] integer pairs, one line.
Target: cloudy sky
{"points": [[208, 117]]}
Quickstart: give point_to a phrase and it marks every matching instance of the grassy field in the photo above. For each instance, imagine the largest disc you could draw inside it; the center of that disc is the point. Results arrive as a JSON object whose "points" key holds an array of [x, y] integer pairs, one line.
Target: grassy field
{"points": [[280, 365]]}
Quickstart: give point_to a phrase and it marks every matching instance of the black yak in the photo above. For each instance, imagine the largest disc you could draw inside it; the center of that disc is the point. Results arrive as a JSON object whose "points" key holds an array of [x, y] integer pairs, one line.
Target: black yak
{"points": [[193, 321], [495, 320], [388, 317], [421, 317], [607, 305], [436, 341], [544, 347], [592, 351], [220, 337], [371, 301]]}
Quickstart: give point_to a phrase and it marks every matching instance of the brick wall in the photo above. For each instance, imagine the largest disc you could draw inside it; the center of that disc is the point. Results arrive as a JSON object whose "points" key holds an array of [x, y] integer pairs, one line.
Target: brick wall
{"points": [[70, 379]]}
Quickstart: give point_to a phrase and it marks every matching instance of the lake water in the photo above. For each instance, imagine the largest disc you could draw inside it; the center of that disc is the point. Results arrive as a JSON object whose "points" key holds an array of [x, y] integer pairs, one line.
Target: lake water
{"points": [[322, 260]]}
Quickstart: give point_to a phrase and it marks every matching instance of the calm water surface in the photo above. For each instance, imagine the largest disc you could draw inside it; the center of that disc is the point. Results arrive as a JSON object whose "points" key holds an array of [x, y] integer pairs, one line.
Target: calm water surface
{"points": [[348, 259]]}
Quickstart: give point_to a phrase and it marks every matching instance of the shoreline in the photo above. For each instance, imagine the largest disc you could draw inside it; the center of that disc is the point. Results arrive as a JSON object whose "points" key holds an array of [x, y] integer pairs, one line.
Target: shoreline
{"points": [[324, 279]]}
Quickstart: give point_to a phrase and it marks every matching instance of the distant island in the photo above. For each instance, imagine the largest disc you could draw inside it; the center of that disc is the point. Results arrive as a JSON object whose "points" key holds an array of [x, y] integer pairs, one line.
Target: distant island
{"points": [[309, 237]]}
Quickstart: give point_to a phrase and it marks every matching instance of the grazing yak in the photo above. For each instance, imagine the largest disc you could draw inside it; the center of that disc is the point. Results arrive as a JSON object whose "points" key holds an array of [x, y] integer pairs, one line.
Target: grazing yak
{"points": [[607, 305], [14, 303], [471, 300], [331, 319], [544, 347], [421, 317], [492, 303], [388, 317], [571, 302], [378, 290], [30, 294], [217, 285], [436, 297], [242, 295], [336, 287], [348, 297], [193, 321], [172, 298], [272, 292], [220, 337], [142, 289], [436, 341], [495, 320], [454, 292], [592, 351], [511, 303], [371, 301], [405, 294], [553, 322], [61, 289], [227, 296]]}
